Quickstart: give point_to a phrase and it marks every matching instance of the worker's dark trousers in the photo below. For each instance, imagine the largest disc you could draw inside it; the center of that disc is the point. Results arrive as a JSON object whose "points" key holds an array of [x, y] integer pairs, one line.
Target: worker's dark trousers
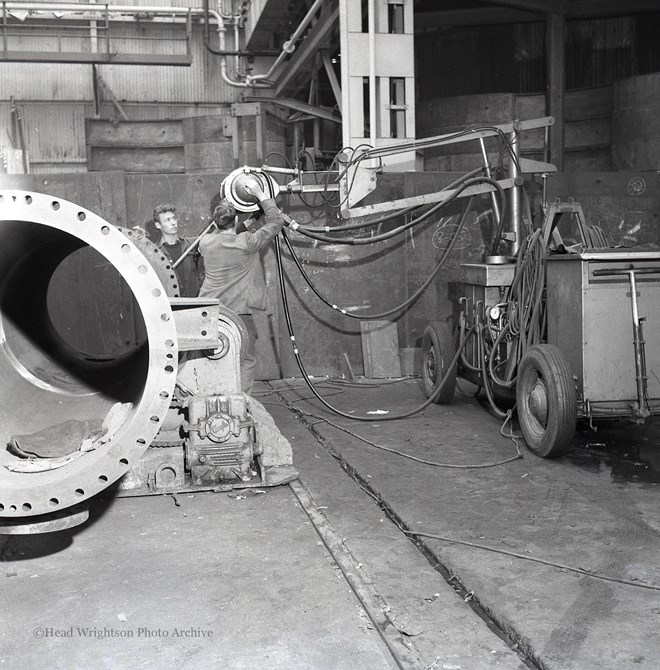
{"points": [[248, 359]]}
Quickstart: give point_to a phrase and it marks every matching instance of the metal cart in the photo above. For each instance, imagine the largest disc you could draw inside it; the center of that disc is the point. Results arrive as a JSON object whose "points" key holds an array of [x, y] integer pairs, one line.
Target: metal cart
{"points": [[582, 343]]}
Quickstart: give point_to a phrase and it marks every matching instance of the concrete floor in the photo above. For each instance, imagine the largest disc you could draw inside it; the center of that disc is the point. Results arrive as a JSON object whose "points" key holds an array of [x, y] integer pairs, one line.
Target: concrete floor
{"points": [[543, 564]]}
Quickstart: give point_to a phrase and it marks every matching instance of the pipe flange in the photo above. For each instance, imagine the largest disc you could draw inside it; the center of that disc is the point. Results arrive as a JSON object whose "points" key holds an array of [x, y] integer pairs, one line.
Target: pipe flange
{"points": [[159, 261], [28, 494]]}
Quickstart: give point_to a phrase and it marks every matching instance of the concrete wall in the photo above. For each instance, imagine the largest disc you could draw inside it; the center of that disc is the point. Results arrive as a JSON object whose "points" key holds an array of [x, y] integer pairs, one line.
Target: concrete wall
{"points": [[587, 127], [613, 127], [626, 205]]}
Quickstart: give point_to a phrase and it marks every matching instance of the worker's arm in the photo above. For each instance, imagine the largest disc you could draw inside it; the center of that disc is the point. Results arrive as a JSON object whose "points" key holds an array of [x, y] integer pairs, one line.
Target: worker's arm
{"points": [[255, 240]]}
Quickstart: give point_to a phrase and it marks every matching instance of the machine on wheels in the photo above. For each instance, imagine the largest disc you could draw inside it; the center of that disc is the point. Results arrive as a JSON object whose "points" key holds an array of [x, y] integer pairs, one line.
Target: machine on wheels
{"points": [[559, 329]]}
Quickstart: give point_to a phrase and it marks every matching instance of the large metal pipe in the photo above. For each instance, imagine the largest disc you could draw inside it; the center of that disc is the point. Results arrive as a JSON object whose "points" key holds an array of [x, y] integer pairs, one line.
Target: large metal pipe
{"points": [[51, 381]]}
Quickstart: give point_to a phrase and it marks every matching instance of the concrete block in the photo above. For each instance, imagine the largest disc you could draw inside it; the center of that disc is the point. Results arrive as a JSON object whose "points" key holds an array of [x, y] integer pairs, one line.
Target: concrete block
{"points": [[206, 155], [380, 349], [211, 128], [410, 361]]}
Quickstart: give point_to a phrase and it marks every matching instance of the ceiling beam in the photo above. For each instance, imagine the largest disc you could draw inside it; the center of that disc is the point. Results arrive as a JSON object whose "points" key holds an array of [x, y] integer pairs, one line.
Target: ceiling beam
{"points": [[332, 77], [581, 8], [601, 8], [538, 6], [472, 17], [299, 106], [491, 15]]}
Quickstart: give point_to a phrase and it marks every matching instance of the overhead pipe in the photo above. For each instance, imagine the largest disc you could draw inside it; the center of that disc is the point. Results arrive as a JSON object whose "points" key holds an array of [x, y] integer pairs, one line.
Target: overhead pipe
{"points": [[222, 50], [221, 30], [237, 63], [138, 10], [206, 12], [261, 80], [134, 10], [78, 8]]}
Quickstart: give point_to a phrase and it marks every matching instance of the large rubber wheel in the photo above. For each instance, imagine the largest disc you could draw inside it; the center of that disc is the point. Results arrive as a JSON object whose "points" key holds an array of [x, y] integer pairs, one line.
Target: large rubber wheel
{"points": [[438, 350], [547, 400]]}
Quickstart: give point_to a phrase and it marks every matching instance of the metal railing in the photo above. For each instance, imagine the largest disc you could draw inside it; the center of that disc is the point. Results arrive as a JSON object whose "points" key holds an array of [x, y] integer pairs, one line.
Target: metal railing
{"points": [[70, 33]]}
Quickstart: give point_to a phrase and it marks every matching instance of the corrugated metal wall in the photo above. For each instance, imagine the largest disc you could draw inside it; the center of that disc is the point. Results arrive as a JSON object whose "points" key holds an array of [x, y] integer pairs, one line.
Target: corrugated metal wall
{"points": [[55, 131], [201, 82], [65, 147], [57, 97], [45, 81]]}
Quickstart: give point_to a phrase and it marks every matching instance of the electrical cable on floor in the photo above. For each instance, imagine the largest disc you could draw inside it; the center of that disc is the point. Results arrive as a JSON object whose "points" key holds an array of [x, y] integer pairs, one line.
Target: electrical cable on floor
{"points": [[533, 323], [370, 384], [322, 384], [475, 545], [335, 382], [434, 395], [514, 554], [476, 466], [511, 435]]}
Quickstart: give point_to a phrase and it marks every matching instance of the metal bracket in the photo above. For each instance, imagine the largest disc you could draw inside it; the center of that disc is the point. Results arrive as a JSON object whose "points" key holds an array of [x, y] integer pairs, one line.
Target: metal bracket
{"points": [[356, 182], [196, 321]]}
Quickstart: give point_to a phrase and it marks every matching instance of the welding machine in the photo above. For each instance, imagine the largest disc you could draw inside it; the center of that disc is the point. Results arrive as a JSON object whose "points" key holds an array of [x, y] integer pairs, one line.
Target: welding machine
{"points": [[560, 331]]}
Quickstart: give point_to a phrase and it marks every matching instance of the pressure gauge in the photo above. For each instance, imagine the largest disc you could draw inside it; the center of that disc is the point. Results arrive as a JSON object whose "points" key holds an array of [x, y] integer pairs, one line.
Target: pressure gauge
{"points": [[495, 313]]}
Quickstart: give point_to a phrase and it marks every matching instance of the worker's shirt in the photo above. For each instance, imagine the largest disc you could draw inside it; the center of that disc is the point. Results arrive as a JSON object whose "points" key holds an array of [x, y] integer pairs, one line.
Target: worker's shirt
{"points": [[190, 271], [234, 272]]}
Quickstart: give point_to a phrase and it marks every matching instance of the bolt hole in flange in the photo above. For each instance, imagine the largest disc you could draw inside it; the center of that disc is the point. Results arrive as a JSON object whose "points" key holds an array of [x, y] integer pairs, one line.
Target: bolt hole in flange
{"points": [[85, 327]]}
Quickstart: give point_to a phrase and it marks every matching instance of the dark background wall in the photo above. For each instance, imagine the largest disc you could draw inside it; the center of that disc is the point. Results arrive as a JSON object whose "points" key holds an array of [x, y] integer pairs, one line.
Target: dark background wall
{"points": [[361, 279], [510, 57]]}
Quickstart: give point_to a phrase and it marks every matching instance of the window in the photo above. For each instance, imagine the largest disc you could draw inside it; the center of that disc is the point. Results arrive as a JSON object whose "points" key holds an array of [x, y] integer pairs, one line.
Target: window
{"points": [[397, 107], [395, 23], [366, 106]]}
